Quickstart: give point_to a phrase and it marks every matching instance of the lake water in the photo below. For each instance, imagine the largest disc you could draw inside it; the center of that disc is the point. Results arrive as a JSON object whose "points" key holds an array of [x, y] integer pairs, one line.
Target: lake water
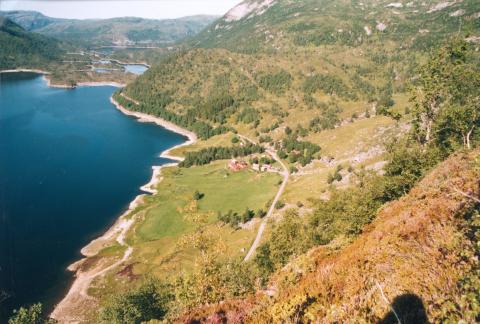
{"points": [[135, 68], [70, 163]]}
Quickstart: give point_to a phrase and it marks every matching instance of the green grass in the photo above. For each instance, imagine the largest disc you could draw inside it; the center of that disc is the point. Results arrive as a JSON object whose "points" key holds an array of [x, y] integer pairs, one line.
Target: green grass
{"points": [[224, 190], [165, 220], [163, 223]]}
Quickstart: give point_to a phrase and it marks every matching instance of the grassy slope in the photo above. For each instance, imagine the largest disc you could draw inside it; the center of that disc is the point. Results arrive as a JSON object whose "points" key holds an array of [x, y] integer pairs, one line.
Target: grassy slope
{"points": [[416, 251]]}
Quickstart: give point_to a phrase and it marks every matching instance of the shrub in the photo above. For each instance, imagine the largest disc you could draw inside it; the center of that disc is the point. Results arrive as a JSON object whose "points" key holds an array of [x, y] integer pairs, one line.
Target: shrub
{"points": [[261, 213], [276, 83], [279, 204], [198, 195], [147, 302], [31, 315]]}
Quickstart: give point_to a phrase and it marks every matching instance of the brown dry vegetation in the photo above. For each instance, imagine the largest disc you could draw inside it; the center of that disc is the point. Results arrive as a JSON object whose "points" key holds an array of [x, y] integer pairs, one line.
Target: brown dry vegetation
{"points": [[416, 251]]}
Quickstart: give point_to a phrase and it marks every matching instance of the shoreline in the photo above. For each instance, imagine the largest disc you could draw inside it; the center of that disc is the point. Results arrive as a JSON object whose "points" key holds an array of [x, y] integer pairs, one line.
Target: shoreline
{"points": [[130, 63], [145, 118], [84, 84], [66, 86], [25, 70], [101, 84], [66, 311]]}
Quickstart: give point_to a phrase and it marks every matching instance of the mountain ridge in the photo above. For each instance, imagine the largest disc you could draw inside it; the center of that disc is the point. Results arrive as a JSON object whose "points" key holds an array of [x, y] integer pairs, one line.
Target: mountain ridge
{"points": [[325, 22], [112, 31]]}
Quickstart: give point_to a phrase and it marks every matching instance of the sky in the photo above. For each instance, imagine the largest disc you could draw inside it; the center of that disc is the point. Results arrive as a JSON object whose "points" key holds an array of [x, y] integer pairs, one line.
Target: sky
{"points": [[155, 9]]}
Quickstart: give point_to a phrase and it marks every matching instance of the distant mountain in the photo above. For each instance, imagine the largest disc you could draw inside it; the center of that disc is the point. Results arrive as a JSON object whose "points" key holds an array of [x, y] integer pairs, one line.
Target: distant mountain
{"points": [[20, 48], [115, 31]]}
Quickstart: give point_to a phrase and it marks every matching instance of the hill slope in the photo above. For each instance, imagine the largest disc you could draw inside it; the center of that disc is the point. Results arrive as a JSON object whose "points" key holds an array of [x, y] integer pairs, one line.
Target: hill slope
{"points": [[116, 31], [282, 24], [310, 65], [417, 259], [19, 48]]}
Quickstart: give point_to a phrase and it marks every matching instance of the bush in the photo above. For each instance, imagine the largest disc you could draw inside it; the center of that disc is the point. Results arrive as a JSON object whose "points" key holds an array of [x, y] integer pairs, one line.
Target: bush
{"points": [[198, 195], [248, 215], [329, 84], [248, 115], [260, 213], [31, 315], [276, 83], [408, 162], [288, 238], [335, 217], [147, 302], [279, 204], [232, 218]]}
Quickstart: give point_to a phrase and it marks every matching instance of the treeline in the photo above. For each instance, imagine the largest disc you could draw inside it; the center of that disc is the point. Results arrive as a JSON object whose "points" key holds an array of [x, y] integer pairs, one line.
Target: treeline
{"points": [[207, 155], [184, 90], [234, 219], [156, 107]]}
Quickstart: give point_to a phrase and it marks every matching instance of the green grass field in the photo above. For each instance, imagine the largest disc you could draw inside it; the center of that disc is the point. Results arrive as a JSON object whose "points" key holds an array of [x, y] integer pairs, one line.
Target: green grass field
{"points": [[164, 221], [223, 190]]}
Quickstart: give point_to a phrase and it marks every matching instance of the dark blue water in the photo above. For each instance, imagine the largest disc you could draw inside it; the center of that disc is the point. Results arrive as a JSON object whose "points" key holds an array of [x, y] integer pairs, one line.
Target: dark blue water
{"points": [[70, 163]]}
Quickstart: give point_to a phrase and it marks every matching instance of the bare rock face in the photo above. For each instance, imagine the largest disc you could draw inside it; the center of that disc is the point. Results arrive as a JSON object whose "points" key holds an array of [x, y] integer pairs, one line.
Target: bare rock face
{"points": [[248, 8]]}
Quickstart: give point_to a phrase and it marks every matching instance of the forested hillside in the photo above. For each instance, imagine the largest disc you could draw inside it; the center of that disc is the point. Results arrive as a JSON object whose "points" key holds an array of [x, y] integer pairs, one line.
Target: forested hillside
{"points": [[20, 48], [126, 31]]}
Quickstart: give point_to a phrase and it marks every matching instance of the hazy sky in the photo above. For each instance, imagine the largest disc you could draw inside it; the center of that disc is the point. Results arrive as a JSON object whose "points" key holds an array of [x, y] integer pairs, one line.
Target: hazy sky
{"points": [[115, 8]]}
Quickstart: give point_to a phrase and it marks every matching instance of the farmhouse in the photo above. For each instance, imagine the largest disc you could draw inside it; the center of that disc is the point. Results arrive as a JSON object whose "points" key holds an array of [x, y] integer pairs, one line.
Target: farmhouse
{"points": [[236, 165]]}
